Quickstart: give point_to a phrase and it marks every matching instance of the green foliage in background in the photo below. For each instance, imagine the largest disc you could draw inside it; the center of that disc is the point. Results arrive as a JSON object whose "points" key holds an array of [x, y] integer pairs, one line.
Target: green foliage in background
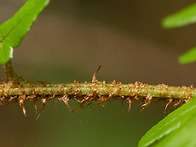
{"points": [[13, 30], [178, 128], [182, 18]]}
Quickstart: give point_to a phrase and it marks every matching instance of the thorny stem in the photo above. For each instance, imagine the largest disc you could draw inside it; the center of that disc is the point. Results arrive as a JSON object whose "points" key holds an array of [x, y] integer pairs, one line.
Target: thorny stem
{"points": [[92, 91], [114, 89], [100, 92]]}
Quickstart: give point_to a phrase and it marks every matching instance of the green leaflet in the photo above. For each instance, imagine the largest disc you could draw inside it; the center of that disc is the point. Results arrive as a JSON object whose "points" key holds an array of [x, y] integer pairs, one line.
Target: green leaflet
{"points": [[176, 129], [13, 30], [181, 18], [189, 56]]}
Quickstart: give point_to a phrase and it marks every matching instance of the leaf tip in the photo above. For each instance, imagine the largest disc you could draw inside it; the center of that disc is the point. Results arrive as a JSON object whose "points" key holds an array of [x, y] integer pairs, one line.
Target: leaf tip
{"points": [[173, 21], [188, 57], [165, 23]]}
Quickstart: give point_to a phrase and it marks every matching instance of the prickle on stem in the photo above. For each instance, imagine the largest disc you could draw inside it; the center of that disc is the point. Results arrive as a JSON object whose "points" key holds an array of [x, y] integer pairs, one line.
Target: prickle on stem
{"points": [[65, 99], [147, 101], [129, 102], [21, 101], [94, 79], [43, 103], [169, 102]]}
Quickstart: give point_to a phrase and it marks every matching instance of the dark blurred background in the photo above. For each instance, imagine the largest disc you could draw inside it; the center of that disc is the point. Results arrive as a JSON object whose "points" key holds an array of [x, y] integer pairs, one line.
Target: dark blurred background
{"points": [[69, 40]]}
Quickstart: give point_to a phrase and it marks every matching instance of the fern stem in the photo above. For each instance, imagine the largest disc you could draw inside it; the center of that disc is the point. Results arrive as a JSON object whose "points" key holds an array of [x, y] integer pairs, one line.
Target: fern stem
{"points": [[94, 91]]}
